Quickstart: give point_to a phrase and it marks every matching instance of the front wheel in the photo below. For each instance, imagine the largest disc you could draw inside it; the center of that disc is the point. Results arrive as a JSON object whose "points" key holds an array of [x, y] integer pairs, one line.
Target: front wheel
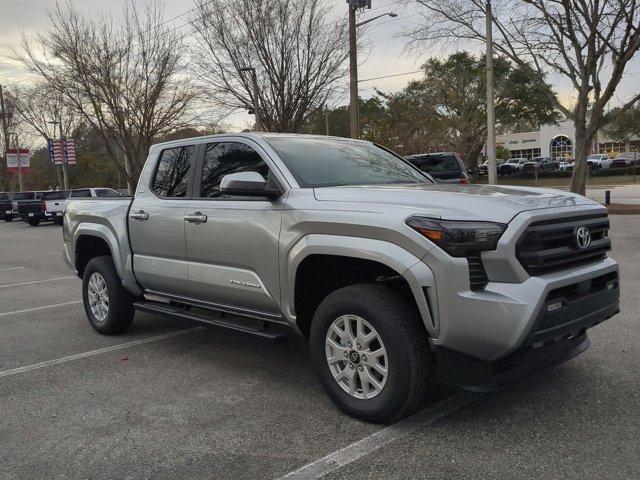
{"points": [[371, 352], [108, 305]]}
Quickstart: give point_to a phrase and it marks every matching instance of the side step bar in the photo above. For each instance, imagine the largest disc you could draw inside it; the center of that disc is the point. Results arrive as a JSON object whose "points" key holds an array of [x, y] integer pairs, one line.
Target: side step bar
{"points": [[252, 327]]}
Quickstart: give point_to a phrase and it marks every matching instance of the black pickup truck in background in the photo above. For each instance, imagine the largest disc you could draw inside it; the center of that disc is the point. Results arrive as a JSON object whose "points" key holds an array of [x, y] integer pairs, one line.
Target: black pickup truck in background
{"points": [[49, 207], [6, 207], [20, 197]]}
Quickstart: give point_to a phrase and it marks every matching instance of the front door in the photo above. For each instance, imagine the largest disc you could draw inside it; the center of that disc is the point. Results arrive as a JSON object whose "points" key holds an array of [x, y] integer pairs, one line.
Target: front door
{"points": [[156, 222], [233, 242]]}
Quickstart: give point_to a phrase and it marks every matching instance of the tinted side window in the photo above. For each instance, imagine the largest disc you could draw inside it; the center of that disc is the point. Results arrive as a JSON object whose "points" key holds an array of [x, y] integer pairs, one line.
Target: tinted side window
{"points": [[172, 175], [106, 193], [80, 193], [54, 196], [224, 158], [437, 164]]}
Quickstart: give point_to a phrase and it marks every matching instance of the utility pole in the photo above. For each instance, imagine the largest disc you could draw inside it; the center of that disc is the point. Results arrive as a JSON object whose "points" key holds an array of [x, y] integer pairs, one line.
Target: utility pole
{"points": [[491, 113], [256, 93], [5, 126], [326, 122], [353, 71]]}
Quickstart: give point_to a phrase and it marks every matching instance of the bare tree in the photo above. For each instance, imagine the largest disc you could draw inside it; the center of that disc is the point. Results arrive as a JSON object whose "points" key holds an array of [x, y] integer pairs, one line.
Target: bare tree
{"points": [[123, 76], [588, 43], [298, 52], [48, 114]]}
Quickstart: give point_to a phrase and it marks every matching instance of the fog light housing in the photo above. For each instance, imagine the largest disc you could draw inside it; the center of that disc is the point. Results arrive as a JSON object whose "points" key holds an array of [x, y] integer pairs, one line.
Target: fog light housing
{"points": [[554, 306]]}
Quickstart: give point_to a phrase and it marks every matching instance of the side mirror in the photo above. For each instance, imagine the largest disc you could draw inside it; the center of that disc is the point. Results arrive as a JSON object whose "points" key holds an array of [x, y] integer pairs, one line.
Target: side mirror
{"points": [[247, 184]]}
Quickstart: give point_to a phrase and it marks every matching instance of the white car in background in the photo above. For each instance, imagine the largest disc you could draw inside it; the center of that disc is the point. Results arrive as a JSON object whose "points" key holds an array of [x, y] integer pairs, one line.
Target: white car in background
{"points": [[564, 164], [599, 160], [98, 192]]}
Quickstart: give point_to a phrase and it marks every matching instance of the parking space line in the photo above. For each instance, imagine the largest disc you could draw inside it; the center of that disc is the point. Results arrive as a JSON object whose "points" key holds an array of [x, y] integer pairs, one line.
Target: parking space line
{"points": [[373, 442], [93, 353], [37, 281], [35, 309], [12, 268]]}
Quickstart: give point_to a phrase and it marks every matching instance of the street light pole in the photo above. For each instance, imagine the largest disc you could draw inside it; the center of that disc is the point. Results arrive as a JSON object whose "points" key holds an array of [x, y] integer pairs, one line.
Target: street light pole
{"points": [[57, 167], [354, 115], [491, 113], [256, 93]]}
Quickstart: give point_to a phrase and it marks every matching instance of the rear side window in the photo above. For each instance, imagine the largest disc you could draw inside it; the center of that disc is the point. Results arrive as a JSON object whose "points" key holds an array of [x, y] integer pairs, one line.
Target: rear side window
{"points": [[54, 196], [24, 196], [80, 193], [106, 193], [224, 158], [172, 174], [440, 163]]}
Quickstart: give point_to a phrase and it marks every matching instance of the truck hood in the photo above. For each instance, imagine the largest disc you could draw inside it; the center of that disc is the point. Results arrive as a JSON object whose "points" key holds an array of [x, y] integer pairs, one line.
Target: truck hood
{"points": [[454, 202]]}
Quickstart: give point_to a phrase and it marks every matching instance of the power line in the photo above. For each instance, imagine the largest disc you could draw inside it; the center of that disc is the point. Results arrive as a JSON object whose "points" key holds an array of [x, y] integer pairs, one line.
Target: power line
{"points": [[389, 76]]}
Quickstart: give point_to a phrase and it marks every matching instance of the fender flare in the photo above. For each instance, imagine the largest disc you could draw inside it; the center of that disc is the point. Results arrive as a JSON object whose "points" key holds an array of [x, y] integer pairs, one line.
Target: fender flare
{"points": [[417, 274], [122, 261]]}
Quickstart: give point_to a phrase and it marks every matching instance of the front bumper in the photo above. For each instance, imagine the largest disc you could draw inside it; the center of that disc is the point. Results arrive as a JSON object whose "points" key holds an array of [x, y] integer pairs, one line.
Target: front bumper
{"points": [[557, 334]]}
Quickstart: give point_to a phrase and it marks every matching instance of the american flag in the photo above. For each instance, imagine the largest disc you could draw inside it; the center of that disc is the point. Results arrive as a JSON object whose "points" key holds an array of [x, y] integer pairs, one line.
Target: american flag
{"points": [[56, 151], [62, 151], [70, 151]]}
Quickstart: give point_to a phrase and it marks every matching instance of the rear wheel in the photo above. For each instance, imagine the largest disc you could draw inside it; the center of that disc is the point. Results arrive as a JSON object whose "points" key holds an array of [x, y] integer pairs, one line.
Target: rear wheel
{"points": [[108, 305], [57, 220], [371, 353], [8, 218], [34, 222]]}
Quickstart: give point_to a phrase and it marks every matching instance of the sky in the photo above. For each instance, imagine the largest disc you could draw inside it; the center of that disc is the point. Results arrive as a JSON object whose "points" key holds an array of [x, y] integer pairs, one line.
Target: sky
{"points": [[386, 53]]}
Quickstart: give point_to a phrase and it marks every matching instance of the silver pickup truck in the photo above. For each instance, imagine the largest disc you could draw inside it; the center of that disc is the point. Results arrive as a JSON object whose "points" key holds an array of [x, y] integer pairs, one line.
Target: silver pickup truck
{"points": [[397, 281]]}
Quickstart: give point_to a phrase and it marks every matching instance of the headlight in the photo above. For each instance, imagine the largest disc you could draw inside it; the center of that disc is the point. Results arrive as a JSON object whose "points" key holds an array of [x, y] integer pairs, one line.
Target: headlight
{"points": [[459, 239]]}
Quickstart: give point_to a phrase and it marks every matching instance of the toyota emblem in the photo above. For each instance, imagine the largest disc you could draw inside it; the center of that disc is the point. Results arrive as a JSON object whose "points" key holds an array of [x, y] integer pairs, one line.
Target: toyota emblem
{"points": [[583, 237]]}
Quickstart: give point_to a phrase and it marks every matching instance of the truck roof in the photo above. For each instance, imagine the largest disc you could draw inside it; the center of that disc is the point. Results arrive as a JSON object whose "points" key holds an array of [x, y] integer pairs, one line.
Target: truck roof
{"points": [[249, 135]]}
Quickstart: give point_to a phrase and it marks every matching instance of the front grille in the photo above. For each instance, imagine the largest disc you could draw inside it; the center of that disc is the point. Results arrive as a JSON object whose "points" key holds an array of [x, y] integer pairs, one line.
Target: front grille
{"points": [[550, 245], [477, 275]]}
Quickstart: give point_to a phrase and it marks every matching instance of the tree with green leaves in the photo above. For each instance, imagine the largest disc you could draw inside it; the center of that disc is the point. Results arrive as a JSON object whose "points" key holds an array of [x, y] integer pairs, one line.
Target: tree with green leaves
{"points": [[452, 94], [626, 125], [588, 44]]}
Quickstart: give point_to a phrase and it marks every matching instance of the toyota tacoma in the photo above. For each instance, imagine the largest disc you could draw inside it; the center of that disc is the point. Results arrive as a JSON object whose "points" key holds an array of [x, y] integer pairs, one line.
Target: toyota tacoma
{"points": [[397, 282]]}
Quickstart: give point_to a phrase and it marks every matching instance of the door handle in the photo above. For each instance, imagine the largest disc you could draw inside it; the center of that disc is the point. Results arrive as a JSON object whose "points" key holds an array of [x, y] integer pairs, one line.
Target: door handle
{"points": [[197, 217], [141, 216]]}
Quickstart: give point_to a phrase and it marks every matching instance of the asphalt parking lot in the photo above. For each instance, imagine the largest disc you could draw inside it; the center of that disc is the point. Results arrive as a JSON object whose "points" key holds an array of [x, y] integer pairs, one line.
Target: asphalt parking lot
{"points": [[173, 400]]}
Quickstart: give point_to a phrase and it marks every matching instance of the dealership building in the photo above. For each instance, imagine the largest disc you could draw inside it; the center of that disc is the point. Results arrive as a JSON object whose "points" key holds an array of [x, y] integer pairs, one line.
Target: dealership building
{"points": [[557, 141]]}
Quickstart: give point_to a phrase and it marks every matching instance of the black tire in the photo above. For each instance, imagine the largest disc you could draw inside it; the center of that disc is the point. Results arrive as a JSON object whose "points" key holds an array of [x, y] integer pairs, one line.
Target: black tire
{"points": [[8, 218], [34, 222], [405, 339], [120, 311], [57, 221]]}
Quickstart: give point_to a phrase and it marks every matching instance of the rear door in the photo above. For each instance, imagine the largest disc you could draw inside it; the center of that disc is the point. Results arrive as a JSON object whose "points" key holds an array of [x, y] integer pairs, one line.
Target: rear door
{"points": [[156, 221], [233, 253]]}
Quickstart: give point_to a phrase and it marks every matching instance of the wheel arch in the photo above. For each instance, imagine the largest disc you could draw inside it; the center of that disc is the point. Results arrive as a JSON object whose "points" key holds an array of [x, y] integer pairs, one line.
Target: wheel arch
{"points": [[91, 241], [351, 260]]}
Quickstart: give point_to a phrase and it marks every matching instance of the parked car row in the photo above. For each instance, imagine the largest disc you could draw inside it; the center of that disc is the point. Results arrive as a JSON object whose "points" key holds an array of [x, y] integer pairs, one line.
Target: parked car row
{"points": [[595, 161], [42, 206]]}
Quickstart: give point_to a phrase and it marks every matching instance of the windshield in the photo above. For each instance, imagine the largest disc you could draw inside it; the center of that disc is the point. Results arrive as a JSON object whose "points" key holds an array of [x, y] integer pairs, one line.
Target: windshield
{"points": [[593, 157], [318, 162], [23, 196]]}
